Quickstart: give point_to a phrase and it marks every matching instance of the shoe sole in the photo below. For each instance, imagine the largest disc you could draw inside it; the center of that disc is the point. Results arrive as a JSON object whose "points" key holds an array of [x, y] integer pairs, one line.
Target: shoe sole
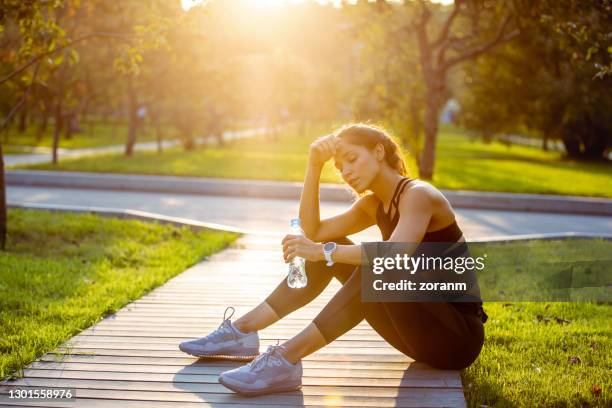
{"points": [[220, 356], [262, 392]]}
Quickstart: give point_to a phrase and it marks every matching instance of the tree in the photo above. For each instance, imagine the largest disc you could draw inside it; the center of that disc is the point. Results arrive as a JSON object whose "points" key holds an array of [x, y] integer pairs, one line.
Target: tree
{"points": [[488, 25], [552, 81], [39, 36]]}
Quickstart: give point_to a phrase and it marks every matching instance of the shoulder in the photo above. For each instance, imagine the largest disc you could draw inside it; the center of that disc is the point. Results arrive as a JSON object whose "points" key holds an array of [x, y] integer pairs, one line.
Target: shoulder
{"points": [[418, 195], [369, 204]]}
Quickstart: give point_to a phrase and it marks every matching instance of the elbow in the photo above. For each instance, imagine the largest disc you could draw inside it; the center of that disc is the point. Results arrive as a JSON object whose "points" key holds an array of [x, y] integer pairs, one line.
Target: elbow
{"points": [[311, 233]]}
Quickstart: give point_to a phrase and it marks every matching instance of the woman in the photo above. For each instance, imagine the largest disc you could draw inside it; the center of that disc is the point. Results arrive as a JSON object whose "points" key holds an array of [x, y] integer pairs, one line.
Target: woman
{"points": [[442, 334]]}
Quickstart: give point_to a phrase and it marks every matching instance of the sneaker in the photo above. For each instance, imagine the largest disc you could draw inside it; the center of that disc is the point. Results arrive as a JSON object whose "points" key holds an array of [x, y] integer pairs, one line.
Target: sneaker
{"points": [[226, 342], [269, 372]]}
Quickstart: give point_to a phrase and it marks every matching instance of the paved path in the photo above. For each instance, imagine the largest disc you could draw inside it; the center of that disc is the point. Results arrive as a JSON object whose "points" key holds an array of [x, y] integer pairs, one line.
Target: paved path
{"points": [[130, 359], [274, 215], [36, 158]]}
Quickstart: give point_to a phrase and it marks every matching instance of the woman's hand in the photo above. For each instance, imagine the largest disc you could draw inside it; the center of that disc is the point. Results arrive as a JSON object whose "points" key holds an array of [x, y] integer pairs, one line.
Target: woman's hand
{"points": [[323, 149], [298, 245]]}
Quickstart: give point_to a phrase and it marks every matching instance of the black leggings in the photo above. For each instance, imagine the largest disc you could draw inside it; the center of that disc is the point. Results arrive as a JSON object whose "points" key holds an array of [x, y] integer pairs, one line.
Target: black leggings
{"points": [[435, 333]]}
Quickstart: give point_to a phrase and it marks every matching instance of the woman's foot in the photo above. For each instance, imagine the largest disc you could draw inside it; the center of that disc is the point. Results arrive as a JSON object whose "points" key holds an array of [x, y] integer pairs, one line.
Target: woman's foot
{"points": [[226, 342], [270, 372]]}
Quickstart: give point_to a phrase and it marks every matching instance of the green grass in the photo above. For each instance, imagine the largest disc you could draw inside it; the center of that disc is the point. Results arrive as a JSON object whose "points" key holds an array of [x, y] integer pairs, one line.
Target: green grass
{"points": [[92, 135], [553, 354], [528, 358], [12, 150], [461, 163], [63, 272]]}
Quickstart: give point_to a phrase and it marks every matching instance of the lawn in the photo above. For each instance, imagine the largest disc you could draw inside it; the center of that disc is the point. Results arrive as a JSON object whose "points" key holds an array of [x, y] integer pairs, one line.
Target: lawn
{"points": [[92, 134], [462, 163], [553, 354], [63, 272]]}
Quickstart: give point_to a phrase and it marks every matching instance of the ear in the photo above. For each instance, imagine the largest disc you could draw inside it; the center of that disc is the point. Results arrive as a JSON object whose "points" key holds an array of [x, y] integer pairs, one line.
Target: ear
{"points": [[379, 152]]}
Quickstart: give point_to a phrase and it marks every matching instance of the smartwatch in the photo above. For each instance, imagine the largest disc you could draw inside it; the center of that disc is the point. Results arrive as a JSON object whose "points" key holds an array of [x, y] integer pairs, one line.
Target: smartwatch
{"points": [[328, 249]]}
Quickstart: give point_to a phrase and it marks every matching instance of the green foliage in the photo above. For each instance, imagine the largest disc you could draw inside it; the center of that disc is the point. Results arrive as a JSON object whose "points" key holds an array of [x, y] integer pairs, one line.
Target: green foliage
{"points": [[552, 80], [63, 272]]}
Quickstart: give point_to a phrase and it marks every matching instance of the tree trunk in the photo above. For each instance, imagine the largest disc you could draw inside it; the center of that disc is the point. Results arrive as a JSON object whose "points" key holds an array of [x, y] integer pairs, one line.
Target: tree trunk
{"points": [[132, 119], [57, 130], [23, 120], [545, 142], [43, 124], [3, 215], [416, 127], [428, 156], [69, 126], [159, 138]]}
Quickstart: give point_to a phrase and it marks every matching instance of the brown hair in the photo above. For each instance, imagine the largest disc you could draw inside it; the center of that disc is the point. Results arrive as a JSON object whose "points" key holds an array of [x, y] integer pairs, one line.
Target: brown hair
{"points": [[369, 136]]}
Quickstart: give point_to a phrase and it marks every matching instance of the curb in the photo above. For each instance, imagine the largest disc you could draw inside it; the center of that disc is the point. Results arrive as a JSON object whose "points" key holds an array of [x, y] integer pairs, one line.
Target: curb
{"points": [[154, 217], [292, 190]]}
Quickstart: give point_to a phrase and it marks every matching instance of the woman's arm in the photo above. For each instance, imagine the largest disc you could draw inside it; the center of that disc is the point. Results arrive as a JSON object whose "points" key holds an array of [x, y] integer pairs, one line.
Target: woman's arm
{"points": [[309, 201], [349, 222], [415, 214], [295, 245]]}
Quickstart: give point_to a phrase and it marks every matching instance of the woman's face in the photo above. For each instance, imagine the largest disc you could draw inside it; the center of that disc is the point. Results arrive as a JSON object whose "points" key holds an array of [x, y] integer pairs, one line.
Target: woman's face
{"points": [[357, 164]]}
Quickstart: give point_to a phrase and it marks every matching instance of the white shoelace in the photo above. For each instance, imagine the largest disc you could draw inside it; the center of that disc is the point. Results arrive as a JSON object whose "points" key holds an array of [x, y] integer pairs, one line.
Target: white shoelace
{"points": [[225, 327], [266, 359]]}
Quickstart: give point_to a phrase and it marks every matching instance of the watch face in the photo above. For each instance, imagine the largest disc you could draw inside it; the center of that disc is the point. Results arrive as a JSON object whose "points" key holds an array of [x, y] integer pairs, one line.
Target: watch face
{"points": [[329, 246]]}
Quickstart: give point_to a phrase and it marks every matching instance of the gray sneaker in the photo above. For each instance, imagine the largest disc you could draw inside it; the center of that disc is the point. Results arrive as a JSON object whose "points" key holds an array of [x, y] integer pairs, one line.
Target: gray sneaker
{"points": [[226, 342], [268, 373]]}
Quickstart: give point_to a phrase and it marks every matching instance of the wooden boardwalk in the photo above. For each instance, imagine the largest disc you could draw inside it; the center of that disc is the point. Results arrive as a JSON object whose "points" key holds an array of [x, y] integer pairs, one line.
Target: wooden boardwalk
{"points": [[131, 359]]}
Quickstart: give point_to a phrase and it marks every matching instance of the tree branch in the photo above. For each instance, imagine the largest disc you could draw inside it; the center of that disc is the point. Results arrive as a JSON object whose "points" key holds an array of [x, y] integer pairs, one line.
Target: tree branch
{"points": [[22, 100], [447, 25], [46, 54], [496, 40]]}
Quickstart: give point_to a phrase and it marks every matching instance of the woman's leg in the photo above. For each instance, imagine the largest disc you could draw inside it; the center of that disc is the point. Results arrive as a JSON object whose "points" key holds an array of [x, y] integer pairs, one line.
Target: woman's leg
{"points": [[435, 333], [284, 300]]}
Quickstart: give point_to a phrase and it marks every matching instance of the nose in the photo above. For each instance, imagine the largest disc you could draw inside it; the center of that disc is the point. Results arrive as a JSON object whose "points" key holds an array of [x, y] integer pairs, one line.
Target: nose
{"points": [[347, 175]]}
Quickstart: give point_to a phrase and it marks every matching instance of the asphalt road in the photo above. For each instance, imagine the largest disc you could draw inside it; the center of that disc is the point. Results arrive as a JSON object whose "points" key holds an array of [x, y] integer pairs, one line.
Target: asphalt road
{"points": [[274, 215]]}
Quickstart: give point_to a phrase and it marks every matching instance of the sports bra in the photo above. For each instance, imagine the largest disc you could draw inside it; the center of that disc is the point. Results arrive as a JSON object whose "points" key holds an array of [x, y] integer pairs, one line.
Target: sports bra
{"points": [[386, 224]]}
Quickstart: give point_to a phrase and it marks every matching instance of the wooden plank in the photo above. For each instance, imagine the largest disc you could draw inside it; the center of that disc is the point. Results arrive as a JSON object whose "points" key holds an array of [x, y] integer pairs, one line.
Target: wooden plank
{"points": [[373, 352], [324, 354], [264, 335], [427, 397], [335, 378], [172, 342], [177, 388], [127, 361], [414, 371]]}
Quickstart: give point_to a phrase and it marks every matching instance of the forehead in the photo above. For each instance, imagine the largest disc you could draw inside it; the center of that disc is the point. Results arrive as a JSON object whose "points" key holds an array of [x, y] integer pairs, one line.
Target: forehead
{"points": [[345, 148]]}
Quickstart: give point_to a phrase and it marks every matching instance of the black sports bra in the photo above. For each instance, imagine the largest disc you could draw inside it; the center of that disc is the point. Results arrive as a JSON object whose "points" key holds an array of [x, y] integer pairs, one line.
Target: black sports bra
{"points": [[386, 224]]}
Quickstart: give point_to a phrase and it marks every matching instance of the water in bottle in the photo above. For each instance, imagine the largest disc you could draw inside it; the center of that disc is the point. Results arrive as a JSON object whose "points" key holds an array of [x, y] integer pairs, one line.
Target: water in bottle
{"points": [[296, 278]]}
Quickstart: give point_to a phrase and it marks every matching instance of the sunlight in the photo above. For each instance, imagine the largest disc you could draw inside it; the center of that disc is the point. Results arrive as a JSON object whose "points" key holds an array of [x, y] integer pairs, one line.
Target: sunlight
{"points": [[257, 4], [188, 4], [263, 4]]}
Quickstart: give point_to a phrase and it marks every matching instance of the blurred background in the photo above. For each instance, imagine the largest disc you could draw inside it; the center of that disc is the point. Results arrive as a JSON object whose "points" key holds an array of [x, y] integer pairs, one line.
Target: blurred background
{"points": [[508, 95]]}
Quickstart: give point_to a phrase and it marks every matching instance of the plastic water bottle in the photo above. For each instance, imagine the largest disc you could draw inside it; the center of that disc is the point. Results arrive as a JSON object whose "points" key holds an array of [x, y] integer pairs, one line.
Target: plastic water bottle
{"points": [[296, 278]]}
